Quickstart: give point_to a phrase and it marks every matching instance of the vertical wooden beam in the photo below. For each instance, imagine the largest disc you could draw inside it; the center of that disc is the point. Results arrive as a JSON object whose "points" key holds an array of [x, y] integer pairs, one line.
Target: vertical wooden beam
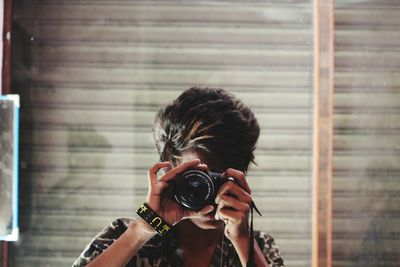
{"points": [[4, 254], [2, 243], [5, 80], [323, 132], [1, 47], [6, 60]]}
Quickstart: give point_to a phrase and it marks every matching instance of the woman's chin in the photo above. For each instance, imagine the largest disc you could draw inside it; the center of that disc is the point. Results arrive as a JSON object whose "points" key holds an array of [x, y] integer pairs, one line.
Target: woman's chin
{"points": [[207, 223]]}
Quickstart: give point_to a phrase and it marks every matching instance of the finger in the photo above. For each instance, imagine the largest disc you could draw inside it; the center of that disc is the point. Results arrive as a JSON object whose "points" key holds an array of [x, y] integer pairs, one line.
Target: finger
{"points": [[152, 172], [233, 203], [232, 216], [200, 167], [231, 188], [229, 202], [239, 177], [179, 169], [207, 209]]}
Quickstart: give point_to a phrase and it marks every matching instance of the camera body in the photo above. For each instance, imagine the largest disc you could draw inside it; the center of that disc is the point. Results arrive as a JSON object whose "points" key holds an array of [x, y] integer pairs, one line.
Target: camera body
{"points": [[196, 189]]}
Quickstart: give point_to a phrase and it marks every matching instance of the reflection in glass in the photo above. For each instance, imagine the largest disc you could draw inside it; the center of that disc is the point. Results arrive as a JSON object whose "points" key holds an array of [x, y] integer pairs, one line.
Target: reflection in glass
{"points": [[92, 76], [366, 142], [9, 123]]}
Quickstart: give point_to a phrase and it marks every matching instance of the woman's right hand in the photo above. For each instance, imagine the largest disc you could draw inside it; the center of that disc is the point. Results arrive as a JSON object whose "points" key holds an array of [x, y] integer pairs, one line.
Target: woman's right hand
{"points": [[160, 197]]}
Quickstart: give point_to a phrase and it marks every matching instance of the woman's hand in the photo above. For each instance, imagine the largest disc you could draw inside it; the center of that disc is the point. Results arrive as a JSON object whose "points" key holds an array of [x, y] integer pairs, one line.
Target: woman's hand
{"points": [[234, 203], [160, 197]]}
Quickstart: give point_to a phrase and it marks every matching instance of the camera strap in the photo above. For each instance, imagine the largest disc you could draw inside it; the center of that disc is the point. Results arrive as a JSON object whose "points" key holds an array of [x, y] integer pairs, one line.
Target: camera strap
{"points": [[250, 261]]}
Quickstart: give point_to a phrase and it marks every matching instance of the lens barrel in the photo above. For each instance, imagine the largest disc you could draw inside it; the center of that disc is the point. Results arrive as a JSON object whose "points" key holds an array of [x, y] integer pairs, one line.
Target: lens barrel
{"points": [[195, 189]]}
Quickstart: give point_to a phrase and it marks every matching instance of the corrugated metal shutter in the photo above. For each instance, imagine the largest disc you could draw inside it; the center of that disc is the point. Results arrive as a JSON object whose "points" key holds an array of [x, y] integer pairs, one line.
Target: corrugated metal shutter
{"points": [[92, 75], [367, 140]]}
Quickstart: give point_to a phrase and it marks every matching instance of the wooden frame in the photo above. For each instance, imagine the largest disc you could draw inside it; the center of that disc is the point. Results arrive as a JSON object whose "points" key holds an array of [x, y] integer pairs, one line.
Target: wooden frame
{"points": [[6, 55], [4, 254], [323, 133], [5, 81], [323, 125]]}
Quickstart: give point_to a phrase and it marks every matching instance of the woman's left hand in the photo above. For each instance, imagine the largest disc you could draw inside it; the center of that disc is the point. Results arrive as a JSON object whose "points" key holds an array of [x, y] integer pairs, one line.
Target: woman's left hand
{"points": [[234, 204]]}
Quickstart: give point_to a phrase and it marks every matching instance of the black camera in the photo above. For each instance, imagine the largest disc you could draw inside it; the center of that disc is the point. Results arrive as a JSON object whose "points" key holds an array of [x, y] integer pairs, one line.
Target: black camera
{"points": [[196, 189]]}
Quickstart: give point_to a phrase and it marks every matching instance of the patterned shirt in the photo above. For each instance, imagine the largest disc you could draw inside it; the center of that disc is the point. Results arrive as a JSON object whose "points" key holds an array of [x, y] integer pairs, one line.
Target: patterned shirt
{"points": [[165, 252]]}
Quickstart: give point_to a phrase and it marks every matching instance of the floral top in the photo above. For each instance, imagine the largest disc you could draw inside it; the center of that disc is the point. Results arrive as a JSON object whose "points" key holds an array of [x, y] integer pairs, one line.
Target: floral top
{"points": [[165, 252]]}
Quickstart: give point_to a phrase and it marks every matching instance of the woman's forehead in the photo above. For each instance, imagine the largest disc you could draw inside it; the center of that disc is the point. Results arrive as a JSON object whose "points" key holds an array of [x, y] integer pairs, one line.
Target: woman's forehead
{"points": [[193, 154], [196, 154]]}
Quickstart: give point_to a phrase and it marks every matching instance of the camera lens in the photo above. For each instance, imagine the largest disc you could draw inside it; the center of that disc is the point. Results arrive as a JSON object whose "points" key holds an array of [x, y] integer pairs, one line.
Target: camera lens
{"points": [[194, 189]]}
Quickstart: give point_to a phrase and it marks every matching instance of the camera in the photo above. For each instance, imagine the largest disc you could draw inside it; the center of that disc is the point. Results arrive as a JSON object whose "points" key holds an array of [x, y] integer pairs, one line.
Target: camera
{"points": [[196, 189]]}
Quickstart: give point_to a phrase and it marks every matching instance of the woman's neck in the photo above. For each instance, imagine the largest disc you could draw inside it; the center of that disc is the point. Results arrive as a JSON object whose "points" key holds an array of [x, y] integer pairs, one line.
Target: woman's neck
{"points": [[191, 236], [198, 245]]}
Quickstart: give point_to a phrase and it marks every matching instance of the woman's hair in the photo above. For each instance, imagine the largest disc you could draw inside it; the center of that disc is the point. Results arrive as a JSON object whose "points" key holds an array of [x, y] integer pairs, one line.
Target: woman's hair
{"points": [[210, 121]]}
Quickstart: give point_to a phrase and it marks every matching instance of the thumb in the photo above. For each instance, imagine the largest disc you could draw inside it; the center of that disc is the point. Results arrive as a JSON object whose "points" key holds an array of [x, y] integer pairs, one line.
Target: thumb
{"points": [[198, 213]]}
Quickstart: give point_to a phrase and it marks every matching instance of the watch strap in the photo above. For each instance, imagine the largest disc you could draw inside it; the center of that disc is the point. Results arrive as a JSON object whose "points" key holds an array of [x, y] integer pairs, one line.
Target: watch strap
{"points": [[153, 219]]}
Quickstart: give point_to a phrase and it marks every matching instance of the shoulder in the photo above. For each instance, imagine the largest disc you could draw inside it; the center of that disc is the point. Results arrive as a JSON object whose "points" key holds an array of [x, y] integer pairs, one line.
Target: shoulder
{"points": [[102, 241], [269, 248]]}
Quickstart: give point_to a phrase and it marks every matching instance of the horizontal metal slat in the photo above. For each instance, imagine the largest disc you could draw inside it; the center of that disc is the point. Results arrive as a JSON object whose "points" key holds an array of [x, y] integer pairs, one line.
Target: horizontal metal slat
{"points": [[129, 161], [365, 121], [367, 162], [351, 249], [376, 101], [358, 227], [374, 144], [351, 262], [134, 139], [154, 98], [367, 60], [236, 13], [92, 118], [381, 80], [382, 40], [186, 77], [376, 183], [367, 205], [130, 56], [379, 17], [62, 33]]}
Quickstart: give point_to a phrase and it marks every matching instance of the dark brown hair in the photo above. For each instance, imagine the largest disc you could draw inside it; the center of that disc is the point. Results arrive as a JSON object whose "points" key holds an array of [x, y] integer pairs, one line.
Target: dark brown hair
{"points": [[211, 121]]}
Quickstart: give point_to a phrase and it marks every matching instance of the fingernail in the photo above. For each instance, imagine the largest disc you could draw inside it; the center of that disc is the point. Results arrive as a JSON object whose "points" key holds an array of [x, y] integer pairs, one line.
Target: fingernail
{"points": [[211, 209], [216, 200]]}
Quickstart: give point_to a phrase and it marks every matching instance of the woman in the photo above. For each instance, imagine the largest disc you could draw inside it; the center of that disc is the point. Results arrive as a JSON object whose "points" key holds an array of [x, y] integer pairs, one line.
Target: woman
{"points": [[203, 129]]}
